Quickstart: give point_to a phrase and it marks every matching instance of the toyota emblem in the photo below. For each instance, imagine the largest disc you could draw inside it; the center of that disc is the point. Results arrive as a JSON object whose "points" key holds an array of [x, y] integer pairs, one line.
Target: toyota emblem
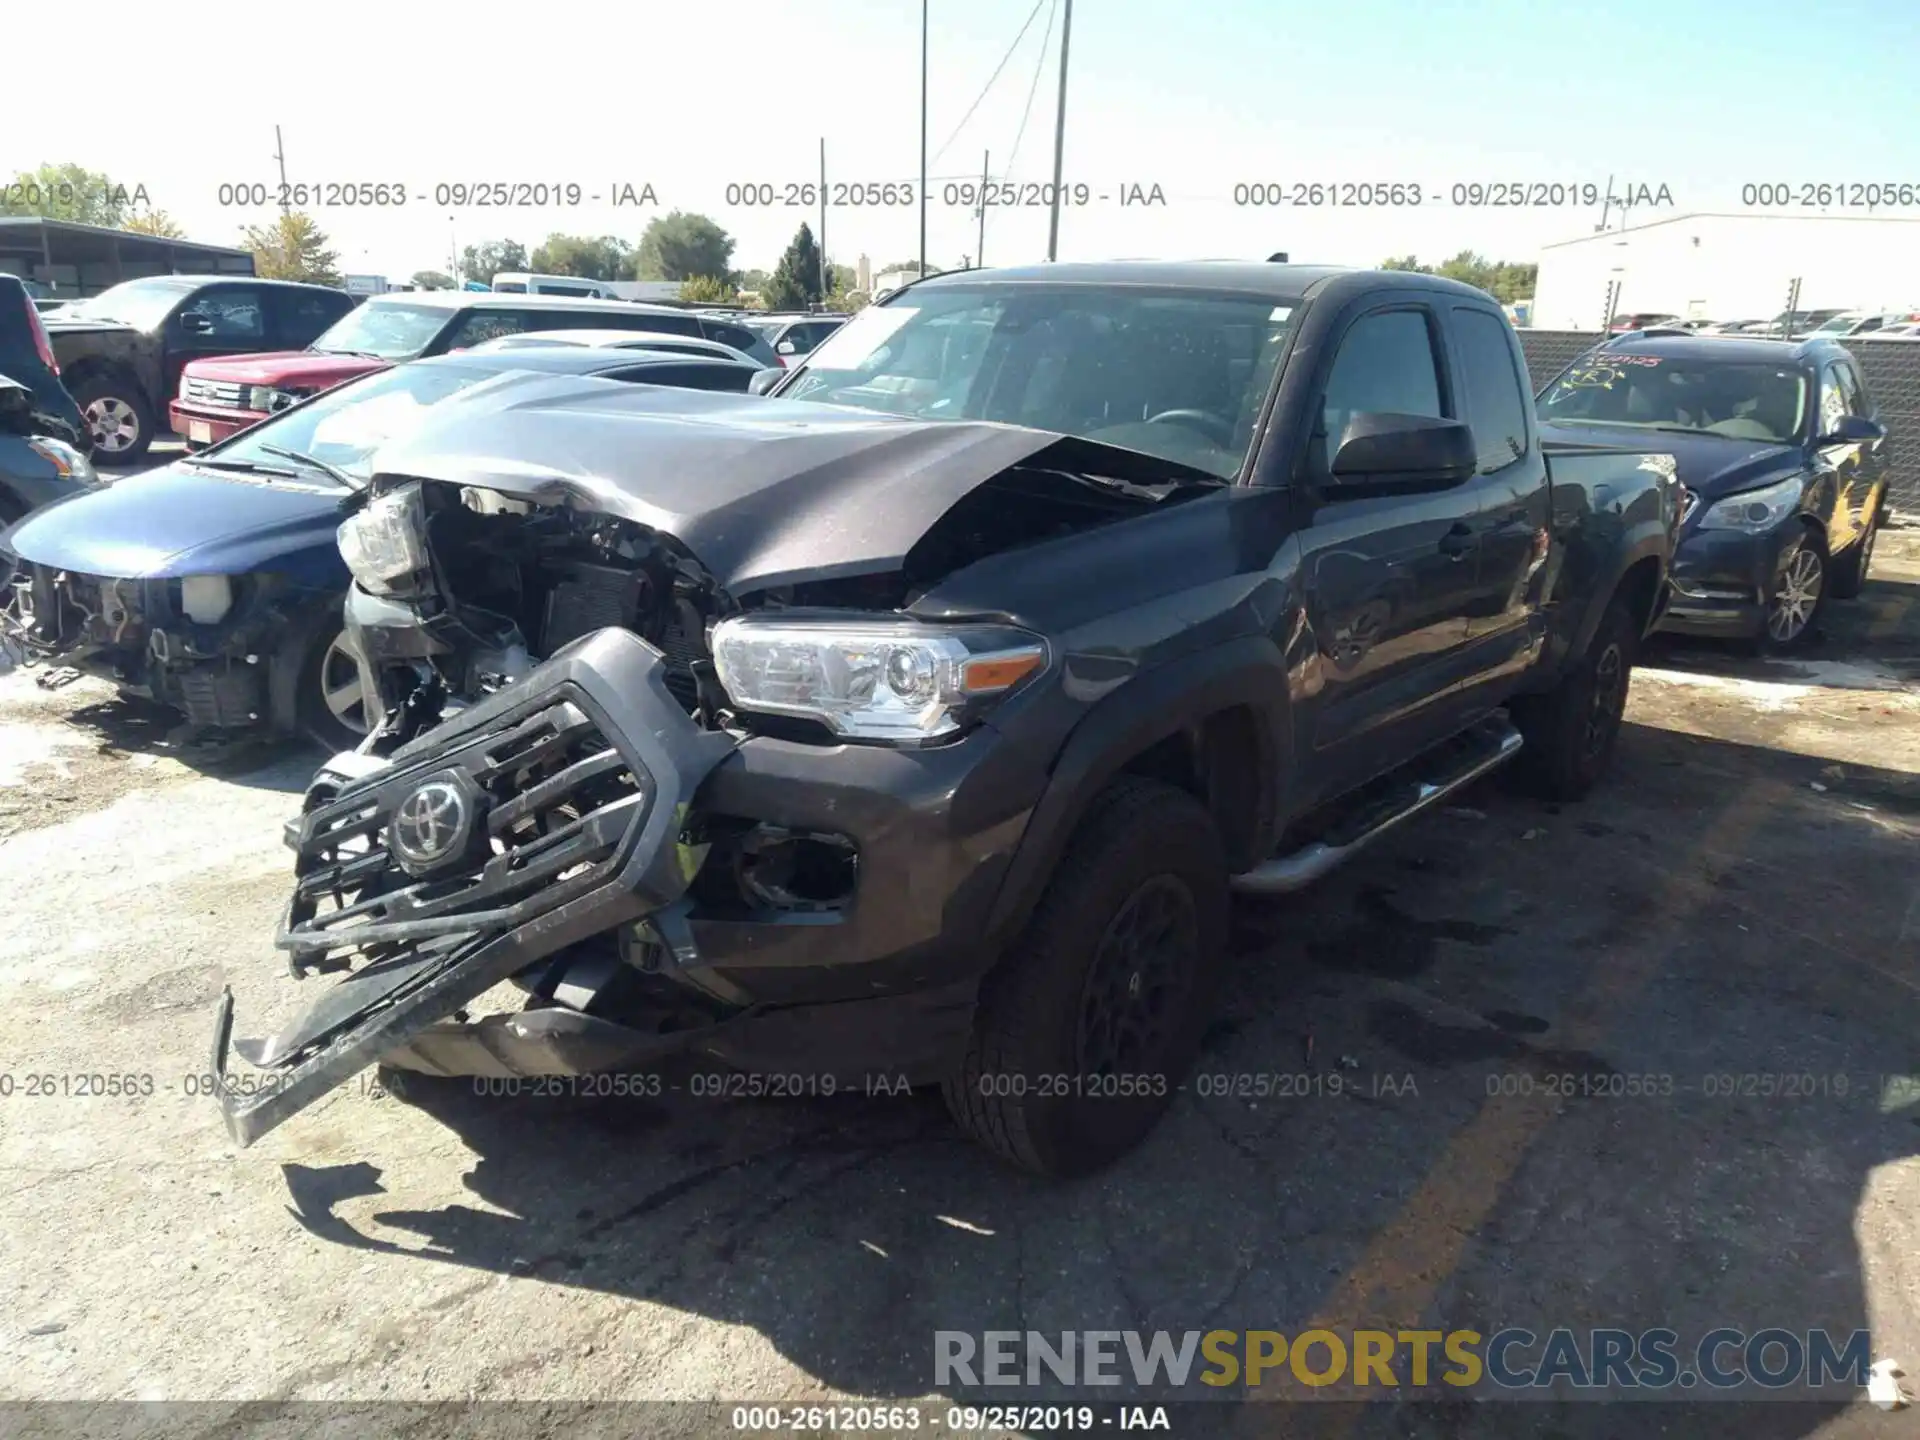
{"points": [[431, 823]]}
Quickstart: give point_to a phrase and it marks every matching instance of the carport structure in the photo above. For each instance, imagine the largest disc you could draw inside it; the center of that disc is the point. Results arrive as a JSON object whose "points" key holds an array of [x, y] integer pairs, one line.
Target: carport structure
{"points": [[75, 261]]}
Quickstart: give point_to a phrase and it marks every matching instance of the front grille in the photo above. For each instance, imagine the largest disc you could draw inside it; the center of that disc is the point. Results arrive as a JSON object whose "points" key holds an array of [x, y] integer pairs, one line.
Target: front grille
{"points": [[554, 799], [229, 394]]}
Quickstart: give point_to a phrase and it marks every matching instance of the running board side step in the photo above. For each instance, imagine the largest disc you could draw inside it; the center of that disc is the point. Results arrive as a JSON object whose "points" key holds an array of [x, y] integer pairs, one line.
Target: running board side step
{"points": [[1447, 768]]}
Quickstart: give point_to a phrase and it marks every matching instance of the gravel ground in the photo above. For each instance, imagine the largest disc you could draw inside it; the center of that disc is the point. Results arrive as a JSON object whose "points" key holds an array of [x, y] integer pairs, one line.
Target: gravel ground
{"points": [[1739, 899]]}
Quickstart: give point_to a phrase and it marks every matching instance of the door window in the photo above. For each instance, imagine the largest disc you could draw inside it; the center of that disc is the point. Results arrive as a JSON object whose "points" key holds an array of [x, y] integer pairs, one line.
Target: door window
{"points": [[1833, 399], [300, 316], [231, 312], [1854, 392], [1386, 363], [490, 324], [1496, 401]]}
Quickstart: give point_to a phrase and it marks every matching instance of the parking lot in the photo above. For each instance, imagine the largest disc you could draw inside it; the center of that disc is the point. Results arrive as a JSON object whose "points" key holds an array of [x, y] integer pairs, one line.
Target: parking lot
{"points": [[1739, 900]]}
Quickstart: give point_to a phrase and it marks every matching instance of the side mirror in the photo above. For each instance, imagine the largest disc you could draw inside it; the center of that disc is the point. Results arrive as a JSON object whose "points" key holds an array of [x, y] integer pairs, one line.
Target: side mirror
{"points": [[1854, 430], [764, 380], [785, 347], [194, 323], [1404, 452]]}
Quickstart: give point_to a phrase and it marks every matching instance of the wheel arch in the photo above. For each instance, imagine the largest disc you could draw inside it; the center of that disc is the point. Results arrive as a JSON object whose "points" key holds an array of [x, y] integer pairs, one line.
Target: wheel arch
{"points": [[1215, 724]]}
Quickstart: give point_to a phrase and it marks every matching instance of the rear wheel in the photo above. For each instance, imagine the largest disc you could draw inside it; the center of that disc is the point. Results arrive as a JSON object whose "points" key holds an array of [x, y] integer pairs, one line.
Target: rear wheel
{"points": [[1085, 1031], [1571, 729], [118, 420]]}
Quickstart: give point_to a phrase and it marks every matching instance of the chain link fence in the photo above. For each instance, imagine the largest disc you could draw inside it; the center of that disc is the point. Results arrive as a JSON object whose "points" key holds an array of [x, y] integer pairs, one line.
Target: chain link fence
{"points": [[1891, 369]]}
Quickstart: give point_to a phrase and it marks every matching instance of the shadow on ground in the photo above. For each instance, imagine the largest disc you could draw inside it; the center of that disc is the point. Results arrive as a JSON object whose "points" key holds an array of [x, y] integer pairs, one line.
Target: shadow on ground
{"points": [[1480, 990]]}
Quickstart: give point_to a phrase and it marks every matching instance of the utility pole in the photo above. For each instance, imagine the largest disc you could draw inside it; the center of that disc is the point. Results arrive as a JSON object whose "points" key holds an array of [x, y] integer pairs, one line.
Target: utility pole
{"points": [[923, 138], [986, 165], [1059, 135], [826, 288], [280, 154], [1606, 204]]}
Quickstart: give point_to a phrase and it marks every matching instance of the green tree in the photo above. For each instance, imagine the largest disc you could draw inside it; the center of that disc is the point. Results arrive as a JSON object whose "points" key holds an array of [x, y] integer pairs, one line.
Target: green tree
{"points": [[1505, 280], [293, 247], [706, 290], [155, 222], [681, 245], [431, 279], [490, 257], [795, 282], [752, 279], [72, 192], [602, 257]]}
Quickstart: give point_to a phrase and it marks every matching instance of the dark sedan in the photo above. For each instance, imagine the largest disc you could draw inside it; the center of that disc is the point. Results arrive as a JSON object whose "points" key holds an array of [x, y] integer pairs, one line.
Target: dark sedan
{"points": [[1783, 456], [214, 584]]}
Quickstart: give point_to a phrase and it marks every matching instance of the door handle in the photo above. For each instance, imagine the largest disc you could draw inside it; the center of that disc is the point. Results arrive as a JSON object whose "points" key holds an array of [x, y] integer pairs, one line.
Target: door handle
{"points": [[1457, 542]]}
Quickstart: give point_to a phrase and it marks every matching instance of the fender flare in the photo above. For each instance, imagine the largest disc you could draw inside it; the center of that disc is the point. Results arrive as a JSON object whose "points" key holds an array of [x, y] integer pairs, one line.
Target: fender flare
{"points": [[1643, 543], [1250, 671]]}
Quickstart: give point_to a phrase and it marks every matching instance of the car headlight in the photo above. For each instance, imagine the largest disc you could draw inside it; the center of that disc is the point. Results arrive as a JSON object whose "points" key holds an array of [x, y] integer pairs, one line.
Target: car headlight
{"points": [[383, 542], [1755, 510], [872, 679], [71, 464], [272, 400]]}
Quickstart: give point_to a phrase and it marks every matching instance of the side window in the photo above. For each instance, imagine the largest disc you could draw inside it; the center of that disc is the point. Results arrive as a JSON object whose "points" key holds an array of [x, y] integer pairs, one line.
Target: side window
{"points": [[1385, 363], [1853, 390], [232, 312], [480, 325], [640, 320], [300, 315], [689, 377], [1833, 398], [737, 336], [1495, 399]]}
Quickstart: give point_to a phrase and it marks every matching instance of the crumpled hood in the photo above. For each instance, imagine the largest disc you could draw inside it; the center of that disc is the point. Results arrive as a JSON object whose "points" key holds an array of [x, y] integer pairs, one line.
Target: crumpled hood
{"points": [[1709, 465], [764, 492], [185, 521], [306, 368]]}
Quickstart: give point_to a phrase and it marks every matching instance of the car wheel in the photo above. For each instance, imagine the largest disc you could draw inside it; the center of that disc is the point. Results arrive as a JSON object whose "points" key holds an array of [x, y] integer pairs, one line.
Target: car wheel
{"points": [[1571, 729], [332, 702], [1085, 1030], [1794, 601], [117, 419], [1849, 573]]}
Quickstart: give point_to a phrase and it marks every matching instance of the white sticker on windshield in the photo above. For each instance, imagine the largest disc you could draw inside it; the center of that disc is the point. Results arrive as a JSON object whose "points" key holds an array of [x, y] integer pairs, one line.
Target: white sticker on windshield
{"points": [[855, 342]]}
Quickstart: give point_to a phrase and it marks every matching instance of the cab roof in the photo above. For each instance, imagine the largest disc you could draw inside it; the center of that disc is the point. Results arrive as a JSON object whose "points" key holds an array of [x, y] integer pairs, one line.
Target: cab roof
{"points": [[1283, 284]]}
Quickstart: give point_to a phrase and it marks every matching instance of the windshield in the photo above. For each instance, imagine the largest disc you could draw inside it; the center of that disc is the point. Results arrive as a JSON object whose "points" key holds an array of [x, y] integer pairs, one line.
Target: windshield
{"points": [[142, 304], [1652, 392], [1839, 325], [348, 423], [392, 330], [1176, 373]]}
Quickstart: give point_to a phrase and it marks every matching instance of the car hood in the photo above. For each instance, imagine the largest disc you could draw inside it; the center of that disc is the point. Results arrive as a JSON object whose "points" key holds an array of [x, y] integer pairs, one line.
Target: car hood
{"points": [[764, 492], [1709, 465], [282, 367], [180, 520]]}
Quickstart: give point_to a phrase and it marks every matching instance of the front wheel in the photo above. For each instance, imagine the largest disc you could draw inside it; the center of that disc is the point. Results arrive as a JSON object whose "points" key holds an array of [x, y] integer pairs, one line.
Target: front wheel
{"points": [[331, 703], [1794, 600], [1085, 1032], [1570, 730], [118, 420]]}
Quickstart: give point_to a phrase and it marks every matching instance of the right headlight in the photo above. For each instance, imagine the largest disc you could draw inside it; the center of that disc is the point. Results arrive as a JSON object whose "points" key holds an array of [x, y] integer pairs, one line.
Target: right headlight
{"points": [[385, 541], [872, 679], [1755, 510]]}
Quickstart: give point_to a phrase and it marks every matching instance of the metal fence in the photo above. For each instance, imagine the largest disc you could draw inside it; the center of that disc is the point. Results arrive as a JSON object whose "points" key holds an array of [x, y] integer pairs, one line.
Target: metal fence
{"points": [[1891, 369]]}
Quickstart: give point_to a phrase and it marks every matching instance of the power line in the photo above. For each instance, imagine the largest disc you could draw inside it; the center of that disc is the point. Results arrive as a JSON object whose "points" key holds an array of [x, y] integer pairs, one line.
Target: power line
{"points": [[1039, 68], [1031, 14]]}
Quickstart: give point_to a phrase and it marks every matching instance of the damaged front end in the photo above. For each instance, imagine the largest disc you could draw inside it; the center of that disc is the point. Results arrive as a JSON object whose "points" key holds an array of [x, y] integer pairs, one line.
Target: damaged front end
{"points": [[198, 643], [542, 819]]}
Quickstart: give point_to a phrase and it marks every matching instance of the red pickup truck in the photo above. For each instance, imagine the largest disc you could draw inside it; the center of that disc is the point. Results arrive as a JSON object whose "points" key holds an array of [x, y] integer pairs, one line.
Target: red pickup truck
{"points": [[218, 397]]}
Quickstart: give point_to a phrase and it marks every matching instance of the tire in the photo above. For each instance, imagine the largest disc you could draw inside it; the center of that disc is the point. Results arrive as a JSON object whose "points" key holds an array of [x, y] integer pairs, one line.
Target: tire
{"points": [[1798, 559], [1057, 1078], [1571, 729], [319, 702], [1848, 575], [119, 421]]}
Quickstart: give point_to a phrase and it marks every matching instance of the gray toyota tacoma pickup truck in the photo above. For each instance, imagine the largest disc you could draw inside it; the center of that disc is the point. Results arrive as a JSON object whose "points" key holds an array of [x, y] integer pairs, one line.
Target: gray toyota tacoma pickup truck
{"points": [[920, 718]]}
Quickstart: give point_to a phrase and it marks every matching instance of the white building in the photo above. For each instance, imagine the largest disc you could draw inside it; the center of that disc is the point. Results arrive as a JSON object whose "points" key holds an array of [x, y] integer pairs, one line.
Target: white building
{"points": [[1730, 267]]}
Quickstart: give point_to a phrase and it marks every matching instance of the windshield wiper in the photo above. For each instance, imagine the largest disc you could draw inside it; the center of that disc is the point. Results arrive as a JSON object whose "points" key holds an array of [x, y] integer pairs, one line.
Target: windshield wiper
{"points": [[300, 457], [251, 467]]}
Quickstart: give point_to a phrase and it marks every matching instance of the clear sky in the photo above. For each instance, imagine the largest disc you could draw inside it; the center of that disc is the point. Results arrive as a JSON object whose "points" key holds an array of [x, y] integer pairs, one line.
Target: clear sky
{"points": [[1194, 96]]}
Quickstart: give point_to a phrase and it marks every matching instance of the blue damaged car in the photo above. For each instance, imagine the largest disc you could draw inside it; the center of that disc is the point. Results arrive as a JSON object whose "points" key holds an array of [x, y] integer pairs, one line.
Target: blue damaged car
{"points": [[214, 584]]}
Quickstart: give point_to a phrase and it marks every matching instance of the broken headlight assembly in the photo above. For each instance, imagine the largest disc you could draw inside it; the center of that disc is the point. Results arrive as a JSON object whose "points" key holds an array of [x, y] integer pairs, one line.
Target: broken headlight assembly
{"points": [[872, 679], [385, 541]]}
